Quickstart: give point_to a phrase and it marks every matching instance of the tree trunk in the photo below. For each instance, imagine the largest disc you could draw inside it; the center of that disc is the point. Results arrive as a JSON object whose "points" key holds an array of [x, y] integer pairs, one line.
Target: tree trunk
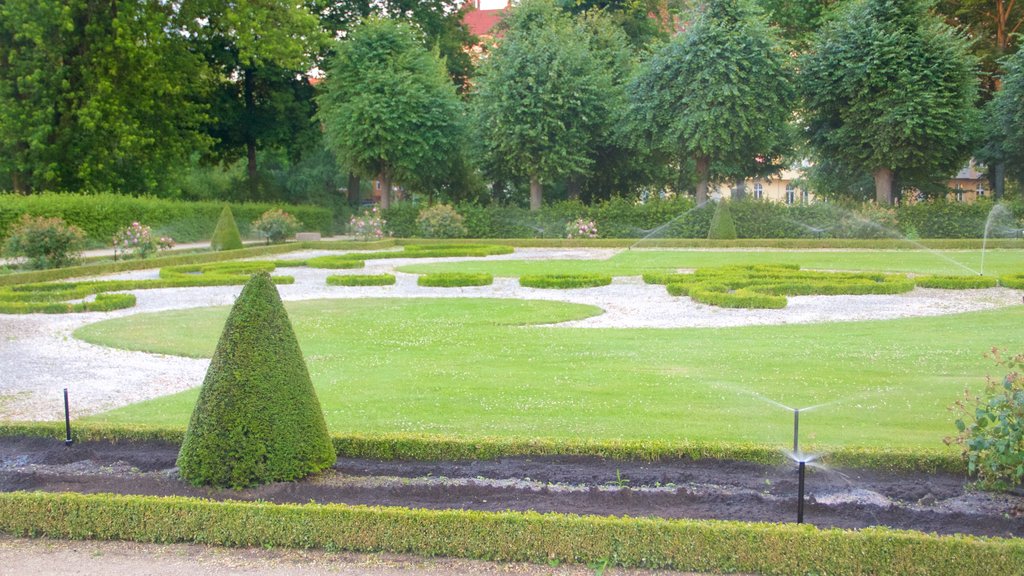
{"points": [[999, 183], [883, 186], [703, 165], [16, 182], [740, 192], [573, 189], [250, 134], [536, 193], [385, 193], [353, 189]]}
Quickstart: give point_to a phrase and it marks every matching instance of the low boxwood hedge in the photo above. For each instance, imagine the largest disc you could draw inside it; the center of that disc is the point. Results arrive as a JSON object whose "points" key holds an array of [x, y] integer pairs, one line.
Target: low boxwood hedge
{"points": [[690, 545], [358, 259], [361, 280], [956, 282], [1012, 281], [565, 281], [454, 280]]}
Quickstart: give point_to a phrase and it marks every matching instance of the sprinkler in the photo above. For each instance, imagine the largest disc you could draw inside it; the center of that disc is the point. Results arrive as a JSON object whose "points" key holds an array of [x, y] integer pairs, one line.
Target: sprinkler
{"points": [[67, 421], [800, 493], [796, 430]]}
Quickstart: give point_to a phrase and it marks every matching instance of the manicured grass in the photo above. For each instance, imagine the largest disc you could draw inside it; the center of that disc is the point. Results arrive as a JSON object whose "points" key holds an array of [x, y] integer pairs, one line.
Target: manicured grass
{"points": [[636, 262], [475, 368]]}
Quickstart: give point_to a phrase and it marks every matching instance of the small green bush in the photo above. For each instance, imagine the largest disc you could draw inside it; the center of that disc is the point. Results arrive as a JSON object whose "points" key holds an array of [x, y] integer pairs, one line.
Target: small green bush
{"points": [[341, 262], [225, 235], [440, 221], [565, 281], [722, 226], [956, 282], [454, 279], [44, 242], [257, 419], [276, 225], [990, 428], [1012, 281], [665, 277], [361, 280], [137, 240]]}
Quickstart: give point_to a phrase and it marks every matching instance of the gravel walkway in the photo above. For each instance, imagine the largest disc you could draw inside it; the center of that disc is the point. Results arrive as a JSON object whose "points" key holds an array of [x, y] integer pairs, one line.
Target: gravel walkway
{"points": [[39, 357]]}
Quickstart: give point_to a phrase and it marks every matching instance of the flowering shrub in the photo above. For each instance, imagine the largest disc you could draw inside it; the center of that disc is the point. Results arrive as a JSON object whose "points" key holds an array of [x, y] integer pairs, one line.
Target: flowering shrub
{"points": [[581, 228], [440, 221], [367, 226], [137, 239], [44, 242], [275, 225]]}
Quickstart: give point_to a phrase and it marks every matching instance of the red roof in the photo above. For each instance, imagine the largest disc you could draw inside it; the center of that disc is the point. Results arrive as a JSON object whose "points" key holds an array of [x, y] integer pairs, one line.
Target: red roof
{"points": [[480, 22]]}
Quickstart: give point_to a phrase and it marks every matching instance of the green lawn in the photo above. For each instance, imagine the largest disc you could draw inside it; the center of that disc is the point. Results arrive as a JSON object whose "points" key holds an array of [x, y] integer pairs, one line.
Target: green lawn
{"points": [[636, 262], [472, 368]]}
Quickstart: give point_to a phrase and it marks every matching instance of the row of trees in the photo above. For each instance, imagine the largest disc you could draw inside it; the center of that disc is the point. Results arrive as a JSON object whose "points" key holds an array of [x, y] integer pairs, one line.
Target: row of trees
{"points": [[594, 97]]}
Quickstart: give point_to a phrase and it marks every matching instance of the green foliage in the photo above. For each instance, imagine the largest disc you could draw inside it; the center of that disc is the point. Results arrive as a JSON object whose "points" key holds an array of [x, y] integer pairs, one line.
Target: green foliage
{"points": [[257, 419], [1012, 281], [722, 227], [361, 280], [276, 225], [956, 282], [454, 279], [889, 86], [389, 109], [357, 259], [342, 262], [44, 242], [102, 215], [721, 94], [565, 281], [367, 226], [440, 221], [137, 239], [991, 427], [225, 234], [686, 545]]}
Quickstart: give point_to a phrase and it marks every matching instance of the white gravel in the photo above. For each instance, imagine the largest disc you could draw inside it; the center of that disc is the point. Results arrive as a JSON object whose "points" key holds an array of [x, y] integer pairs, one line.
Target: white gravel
{"points": [[39, 357]]}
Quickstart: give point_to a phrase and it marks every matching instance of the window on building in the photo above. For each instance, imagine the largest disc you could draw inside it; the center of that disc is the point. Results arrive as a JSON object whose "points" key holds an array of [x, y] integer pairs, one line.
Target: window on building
{"points": [[805, 196], [981, 191], [758, 191], [790, 194], [959, 193]]}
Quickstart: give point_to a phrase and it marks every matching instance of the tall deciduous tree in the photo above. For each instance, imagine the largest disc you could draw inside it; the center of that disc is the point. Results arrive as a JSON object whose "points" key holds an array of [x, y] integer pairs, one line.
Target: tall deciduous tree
{"points": [[890, 87], [95, 95], [540, 99], [389, 108], [1004, 124], [720, 94]]}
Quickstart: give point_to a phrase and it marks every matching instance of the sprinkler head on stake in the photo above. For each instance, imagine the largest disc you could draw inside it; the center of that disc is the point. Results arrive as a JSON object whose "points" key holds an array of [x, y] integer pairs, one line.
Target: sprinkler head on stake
{"points": [[67, 421], [796, 430], [800, 493]]}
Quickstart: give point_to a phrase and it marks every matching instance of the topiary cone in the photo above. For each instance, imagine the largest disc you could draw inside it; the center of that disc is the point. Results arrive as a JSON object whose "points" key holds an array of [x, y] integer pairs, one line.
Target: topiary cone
{"points": [[225, 235], [722, 227], [257, 419]]}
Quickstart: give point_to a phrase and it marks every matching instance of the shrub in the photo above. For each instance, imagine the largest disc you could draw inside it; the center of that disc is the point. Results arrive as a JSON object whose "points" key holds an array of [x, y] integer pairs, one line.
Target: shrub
{"points": [[1012, 281], [361, 280], [257, 419], [225, 235], [367, 226], [400, 219], [565, 280], [45, 242], [454, 279], [341, 262], [276, 225], [956, 282], [991, 427], [581, 228], [722, 227], [137, 239], [440, 221]]}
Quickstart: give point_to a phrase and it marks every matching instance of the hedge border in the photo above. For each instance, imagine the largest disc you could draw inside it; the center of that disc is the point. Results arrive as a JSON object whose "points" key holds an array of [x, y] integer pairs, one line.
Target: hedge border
{"points": [[564, 281], [361, 280], [454, 280], [436, 447], [690, 545]]}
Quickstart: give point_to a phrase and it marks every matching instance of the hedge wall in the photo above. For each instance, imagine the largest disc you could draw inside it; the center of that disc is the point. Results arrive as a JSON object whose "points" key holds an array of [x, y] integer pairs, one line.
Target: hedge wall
{"points": [[101, 215], [690, 545], [661, 219]]}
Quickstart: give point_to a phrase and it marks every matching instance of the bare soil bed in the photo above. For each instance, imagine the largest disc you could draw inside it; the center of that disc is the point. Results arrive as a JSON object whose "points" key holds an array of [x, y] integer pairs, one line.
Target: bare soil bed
{"points": [[718, 489]]}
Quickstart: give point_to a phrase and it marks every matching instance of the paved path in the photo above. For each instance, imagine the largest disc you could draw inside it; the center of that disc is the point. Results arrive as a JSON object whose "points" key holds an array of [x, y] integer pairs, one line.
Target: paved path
{"points": [[45, 557]]}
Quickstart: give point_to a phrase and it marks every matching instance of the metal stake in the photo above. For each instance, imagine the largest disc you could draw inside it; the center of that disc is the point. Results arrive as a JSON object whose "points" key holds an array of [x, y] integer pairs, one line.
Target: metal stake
{"points": [[67, 421], [800, 494], [796, 430]]}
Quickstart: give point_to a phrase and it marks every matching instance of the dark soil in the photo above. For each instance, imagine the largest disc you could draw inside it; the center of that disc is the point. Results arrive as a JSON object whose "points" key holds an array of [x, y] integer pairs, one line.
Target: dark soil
{"points": [[727, 490]]}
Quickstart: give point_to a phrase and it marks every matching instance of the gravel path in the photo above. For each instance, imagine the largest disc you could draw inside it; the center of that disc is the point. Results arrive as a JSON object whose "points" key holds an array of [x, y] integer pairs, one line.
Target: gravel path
{"points": [[39, 357]]}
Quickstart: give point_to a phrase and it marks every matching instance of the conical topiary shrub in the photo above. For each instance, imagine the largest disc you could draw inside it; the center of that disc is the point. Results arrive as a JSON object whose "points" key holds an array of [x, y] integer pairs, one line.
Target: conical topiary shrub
{"points": [[722, 226], [225, 235], [257, 419]]}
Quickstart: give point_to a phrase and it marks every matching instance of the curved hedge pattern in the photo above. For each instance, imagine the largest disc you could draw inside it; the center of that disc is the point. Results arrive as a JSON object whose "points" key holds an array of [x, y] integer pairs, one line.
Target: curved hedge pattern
{"points": [[956, 282], [361, 280], [565, 281], [454, 280]]}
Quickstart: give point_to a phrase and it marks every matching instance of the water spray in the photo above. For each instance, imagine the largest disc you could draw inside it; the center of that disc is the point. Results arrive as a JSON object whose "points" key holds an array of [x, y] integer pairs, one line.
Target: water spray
{"points": [[67, 421], [796, 431]]}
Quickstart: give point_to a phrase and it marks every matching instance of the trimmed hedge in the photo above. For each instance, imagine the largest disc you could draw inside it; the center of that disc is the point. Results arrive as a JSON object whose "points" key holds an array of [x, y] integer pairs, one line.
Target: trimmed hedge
{"points": [[361, 280], [956, 282], [722, 227], [690, 545], [225, 233], [1012, 281], [357, 259], [341, 262], [565, 281], [102, 215], [454, 280]]}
